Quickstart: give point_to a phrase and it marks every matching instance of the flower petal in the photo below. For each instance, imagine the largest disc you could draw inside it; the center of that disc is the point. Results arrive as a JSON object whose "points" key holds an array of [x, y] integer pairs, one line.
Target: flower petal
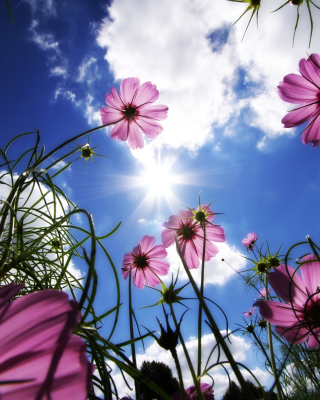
{"points": [[279, 313], [158, 251], [135, 139], [146, 243], [128, 89], [114, 99], [314, 338], [312, 132], [288, 288], [297, 334], [297, 90], [310, 70], [300, 115], [37, 346], [160, 267], [147, 93], [139, 278], [149, 127], [7, 292], [310, 272], [120, 130], [158, 112], [110, 115]]}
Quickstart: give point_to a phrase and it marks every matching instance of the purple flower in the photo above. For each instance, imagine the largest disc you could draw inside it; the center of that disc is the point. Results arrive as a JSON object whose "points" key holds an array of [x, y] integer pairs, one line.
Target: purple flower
{"points": [[250, 313], [249, 241], [298, 318], [190, 235], [304, 89], [145, 263], [191, 393], [39, 356], [132, 112]]}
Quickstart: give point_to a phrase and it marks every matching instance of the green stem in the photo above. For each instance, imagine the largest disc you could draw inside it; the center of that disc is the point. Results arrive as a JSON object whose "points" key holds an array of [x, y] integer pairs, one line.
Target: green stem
{"points": [[178, 367], [215, 329], [272, 359], [200, 306], [195, 380], [133, 349]]}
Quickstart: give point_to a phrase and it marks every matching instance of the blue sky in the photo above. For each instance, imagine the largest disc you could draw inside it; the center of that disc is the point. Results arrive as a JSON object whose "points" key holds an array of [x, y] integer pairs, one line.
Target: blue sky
{"points": [[223, 135]]}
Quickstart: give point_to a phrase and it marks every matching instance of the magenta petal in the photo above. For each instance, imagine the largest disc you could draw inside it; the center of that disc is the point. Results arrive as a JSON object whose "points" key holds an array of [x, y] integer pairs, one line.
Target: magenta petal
{"points": [[139, 278], [146, 243], [154, 111], [277, 313], [135, 139], [37, 346], [190, 254], [312, 132], [310, 272], [297, 90], [128, 89], [288, 288], [294, 335], [215, 233], [109, 115], [120, 130], [114, 100], [160, 267], [149, 127], [310, 71], [173, 222], [300, 115], [167, 237], [314, 338], [8, 291], [147, 93], [151, 278], [158, 251]]}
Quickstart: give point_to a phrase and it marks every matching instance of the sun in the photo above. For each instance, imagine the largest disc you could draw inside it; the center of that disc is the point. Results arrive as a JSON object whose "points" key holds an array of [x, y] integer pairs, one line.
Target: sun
{"points": [[158, 178]]}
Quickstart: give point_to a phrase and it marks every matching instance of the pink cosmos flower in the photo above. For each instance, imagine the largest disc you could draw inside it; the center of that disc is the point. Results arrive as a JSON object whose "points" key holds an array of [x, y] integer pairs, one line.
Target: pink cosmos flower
{"points": [[145, 263], [39, 356], [191, 393], [304, 89], [250, 313], [298, 318], [249, 241], [190, 236], [132, 112], [262, 292]]}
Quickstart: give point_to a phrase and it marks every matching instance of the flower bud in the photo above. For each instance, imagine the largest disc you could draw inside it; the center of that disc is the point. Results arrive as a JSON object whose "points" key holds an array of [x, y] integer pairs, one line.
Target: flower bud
{"points": [[250, 328], [262, 267]]}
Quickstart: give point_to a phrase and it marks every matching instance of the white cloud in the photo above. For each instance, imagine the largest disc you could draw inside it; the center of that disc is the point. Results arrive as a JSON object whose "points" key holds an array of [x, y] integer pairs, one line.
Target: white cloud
{"points": [[87, 70], [217, 272], [167, 43], [58, 71], [240, 348], [46, 7]]}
